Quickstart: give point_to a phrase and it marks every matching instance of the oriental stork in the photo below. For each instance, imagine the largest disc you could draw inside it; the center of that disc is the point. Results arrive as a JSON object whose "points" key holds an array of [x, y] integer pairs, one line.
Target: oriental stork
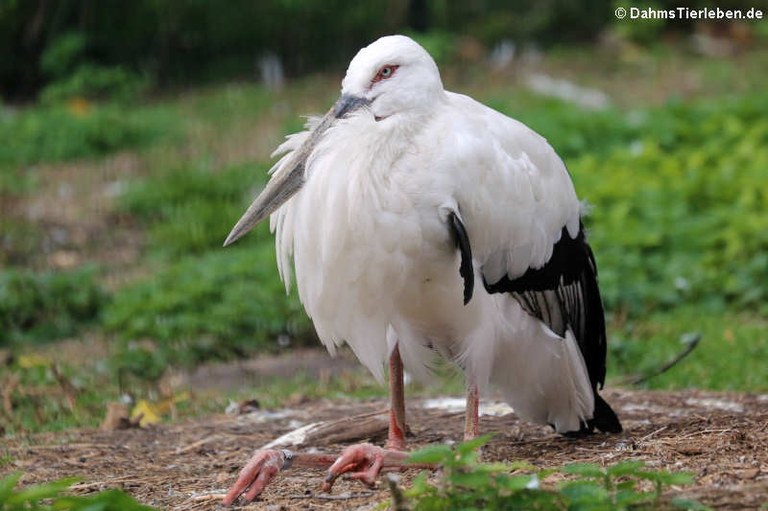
{"points": [[418, 223]]}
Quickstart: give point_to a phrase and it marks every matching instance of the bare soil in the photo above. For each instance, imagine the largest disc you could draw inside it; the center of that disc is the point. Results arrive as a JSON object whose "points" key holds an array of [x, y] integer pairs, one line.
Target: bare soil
{"points": [[722, 438]]}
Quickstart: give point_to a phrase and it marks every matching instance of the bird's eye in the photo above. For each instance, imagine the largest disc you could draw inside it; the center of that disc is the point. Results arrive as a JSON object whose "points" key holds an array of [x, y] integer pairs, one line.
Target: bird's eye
{"points": [[385, 72]]}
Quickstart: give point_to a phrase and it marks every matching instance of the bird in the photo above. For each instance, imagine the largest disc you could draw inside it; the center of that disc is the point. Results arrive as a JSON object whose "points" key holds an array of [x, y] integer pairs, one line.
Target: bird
{"points": [[419, 224]]}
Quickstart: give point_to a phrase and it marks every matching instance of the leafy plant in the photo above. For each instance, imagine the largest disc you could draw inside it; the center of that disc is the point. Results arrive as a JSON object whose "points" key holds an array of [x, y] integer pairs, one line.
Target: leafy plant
{"points": [[466, 483], [48, 305], [77, 130], [219, 303], [72, 76], [189, 210], [96, 83], [52, 496]]}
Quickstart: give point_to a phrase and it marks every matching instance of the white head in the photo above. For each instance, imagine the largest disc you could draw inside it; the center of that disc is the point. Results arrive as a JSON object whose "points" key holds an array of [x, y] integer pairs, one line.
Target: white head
{"points": [[394, 74]]}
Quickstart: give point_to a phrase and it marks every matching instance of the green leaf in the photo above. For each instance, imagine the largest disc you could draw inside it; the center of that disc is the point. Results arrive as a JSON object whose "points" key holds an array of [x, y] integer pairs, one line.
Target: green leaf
{"points": [[623, 468], [474, 480], [471, 446], [433, 454], [34, 494], [7, 484], [582, 491], [516, 483], [630, 497]]}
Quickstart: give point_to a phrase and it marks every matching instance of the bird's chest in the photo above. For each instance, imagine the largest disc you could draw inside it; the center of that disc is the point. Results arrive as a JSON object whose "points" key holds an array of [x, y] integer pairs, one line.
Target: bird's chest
{"points": [[369, 243], [371, 221]]}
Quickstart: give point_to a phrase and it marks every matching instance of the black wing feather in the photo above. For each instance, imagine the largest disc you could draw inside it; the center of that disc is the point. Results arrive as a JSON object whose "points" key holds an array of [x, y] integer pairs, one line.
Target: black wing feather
{"points": [[460, 238], [564, 295]]}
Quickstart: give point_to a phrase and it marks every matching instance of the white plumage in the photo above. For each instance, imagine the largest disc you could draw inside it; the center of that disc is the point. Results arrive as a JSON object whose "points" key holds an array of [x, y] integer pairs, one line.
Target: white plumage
{"points": [[377, 189]]}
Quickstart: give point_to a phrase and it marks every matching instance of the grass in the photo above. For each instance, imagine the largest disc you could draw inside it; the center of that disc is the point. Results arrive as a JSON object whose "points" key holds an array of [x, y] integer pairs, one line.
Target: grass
{"points": [[50, 305], [207, 307], [77, 130], [729, 356], [185, 210], [677, 188]]}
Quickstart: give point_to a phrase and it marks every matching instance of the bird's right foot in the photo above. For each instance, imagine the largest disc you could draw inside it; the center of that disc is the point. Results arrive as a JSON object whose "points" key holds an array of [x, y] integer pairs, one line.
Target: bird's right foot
{"points": [[363, 462]]}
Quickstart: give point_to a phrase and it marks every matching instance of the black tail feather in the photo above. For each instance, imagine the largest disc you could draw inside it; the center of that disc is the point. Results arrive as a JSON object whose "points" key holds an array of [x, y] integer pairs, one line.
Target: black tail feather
{"points": [[604, 418]]}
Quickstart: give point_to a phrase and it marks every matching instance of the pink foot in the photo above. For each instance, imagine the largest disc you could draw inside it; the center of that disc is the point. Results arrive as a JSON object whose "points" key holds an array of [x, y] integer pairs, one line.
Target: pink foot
{"points": [[256, 475], [363, 462]]}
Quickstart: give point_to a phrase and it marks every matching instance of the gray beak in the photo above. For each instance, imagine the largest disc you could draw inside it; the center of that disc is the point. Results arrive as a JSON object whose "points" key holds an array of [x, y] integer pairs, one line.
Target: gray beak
{"points": [[284, 185]]}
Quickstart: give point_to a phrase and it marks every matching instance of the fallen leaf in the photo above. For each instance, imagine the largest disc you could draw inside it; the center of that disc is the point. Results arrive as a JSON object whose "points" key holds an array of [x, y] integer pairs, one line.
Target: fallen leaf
{"points": [[33, 360], [145, 413]]}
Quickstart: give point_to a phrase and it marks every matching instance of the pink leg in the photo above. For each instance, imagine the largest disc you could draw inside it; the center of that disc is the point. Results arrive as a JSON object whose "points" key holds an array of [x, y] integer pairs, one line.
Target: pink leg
{"points": [[471, 418], [396, 435], [365, 462]]}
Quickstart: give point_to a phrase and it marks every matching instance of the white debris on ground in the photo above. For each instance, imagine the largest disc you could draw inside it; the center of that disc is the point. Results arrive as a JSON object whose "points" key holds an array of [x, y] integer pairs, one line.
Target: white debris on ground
{"points": [[295, 437], [458, 404], [712, 403], [584, 97]]}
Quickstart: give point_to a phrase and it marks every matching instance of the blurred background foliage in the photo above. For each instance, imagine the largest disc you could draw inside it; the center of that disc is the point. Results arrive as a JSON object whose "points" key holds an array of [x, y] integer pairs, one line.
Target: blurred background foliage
{"points": [[135, 133], [98, 46]]}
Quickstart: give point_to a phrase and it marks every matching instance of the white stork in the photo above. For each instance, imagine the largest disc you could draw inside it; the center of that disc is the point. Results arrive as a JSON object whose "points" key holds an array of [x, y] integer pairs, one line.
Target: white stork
{"points": [[421, 224]]}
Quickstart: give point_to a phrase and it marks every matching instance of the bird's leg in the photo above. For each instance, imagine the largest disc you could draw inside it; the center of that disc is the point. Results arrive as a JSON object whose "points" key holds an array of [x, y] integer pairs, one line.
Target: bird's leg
{"points": [[365, 462], [471, 418], [396, 434]]}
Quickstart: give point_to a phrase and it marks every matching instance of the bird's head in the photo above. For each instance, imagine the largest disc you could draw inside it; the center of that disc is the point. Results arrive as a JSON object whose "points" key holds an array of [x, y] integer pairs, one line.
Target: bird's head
{"points": [[390, 76], [393, 75]]}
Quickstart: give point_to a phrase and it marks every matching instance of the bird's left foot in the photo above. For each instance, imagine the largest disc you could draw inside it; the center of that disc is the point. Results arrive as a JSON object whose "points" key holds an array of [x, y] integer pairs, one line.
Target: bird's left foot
{"points": [[363, 462]]}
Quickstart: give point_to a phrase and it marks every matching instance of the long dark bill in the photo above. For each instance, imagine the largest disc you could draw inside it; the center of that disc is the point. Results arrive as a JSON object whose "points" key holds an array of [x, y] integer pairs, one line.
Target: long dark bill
{"points": [[284, 184]]}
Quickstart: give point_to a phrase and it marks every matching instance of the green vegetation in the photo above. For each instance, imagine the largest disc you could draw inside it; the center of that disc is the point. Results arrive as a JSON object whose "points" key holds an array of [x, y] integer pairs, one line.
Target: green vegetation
{"points": [[186, 210], [53, 496], [730, 355], [207, 307], [79, 130], [466, 483], [50, 305], [187, 41], [680, 208]]}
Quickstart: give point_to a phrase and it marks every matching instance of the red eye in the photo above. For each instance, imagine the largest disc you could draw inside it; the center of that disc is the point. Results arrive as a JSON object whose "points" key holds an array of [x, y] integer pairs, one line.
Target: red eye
{"points": [[384, 73]]}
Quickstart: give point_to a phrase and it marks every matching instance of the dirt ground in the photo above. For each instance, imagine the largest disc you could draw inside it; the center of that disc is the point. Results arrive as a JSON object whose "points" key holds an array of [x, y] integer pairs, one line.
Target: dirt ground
{"points": [[722, 438]]}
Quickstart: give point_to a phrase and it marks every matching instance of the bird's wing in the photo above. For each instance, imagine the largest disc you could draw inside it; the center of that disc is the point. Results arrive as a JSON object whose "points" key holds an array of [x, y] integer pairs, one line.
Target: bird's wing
{"points": [[521, 215], [564, 295]]}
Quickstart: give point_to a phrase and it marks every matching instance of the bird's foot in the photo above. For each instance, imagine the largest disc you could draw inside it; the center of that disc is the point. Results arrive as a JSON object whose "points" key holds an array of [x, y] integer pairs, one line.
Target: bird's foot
{"points": [[256, 475], [363, 462]]}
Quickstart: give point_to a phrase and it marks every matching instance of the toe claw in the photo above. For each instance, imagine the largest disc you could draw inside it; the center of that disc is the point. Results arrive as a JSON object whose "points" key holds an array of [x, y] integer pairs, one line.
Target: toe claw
{"points": [[362, 462], [256, 475]]}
